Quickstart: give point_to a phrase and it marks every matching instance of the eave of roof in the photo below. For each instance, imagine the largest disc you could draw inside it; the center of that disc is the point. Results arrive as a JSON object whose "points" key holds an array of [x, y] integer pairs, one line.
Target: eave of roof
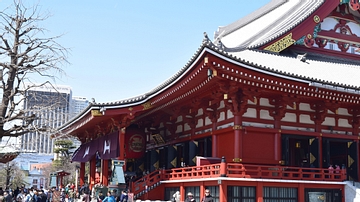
{"points": [[138, 100], [266, 24]]}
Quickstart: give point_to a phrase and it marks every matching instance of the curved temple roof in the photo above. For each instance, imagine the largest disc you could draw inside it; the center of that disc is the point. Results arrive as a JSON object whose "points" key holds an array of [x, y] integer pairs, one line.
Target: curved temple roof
{"points": [[316, 70]]}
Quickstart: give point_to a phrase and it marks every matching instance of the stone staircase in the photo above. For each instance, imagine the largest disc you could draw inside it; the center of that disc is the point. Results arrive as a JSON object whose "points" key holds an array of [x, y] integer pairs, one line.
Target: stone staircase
{"points": [[352, 191]]}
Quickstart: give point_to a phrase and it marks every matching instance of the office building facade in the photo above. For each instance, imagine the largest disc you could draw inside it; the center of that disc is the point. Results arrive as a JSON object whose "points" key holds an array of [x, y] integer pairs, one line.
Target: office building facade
{"points": [[78, 104], [52, 106]]}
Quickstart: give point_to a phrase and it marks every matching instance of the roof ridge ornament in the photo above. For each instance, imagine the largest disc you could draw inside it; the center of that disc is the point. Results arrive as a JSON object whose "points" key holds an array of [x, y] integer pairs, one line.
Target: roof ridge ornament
{"points": [[220, 45], [302, 58], [206, 40]]}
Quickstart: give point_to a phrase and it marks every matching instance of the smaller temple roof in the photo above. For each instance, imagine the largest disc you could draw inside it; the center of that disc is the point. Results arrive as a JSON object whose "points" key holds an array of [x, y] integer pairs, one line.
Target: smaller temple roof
{"points": [[265, 24], [7, 154]]}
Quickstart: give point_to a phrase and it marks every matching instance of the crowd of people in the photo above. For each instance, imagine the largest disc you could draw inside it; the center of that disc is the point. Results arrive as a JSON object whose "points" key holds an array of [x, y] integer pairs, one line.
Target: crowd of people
{"points": [[65, 194], [25, 195]]}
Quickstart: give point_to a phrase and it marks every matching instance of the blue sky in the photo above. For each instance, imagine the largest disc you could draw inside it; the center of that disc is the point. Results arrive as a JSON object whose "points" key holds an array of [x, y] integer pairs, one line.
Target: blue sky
{"points": [[121, 49]]}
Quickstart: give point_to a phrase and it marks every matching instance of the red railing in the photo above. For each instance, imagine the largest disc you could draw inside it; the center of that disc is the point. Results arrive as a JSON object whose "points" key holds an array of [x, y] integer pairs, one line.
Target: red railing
{"points": [[236, 170], [283, 172], [207, 171]]}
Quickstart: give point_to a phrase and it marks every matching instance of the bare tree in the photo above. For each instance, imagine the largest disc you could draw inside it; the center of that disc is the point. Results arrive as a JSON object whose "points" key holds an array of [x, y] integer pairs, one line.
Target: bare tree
{"points": [[11, 176], [26, 52]]}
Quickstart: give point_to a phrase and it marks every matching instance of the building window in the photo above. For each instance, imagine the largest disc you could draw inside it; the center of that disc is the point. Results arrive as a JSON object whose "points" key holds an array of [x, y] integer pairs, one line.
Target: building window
{"points": [[280, 194], [236, 193], [35, 181], [333, 195]]}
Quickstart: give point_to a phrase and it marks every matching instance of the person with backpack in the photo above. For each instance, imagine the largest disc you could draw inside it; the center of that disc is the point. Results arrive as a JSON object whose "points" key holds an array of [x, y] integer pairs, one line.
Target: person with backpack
{"points": [[30, 197], [109, 198]]}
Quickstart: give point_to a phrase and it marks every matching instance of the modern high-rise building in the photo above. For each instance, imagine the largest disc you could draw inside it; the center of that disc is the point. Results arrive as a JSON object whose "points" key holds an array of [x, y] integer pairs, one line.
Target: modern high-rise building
{"points": [[52, 106], [78, 104]]}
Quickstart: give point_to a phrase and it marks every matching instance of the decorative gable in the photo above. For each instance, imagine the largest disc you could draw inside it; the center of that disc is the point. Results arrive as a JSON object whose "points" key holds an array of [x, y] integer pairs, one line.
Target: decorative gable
{"points": [[339, 31]]}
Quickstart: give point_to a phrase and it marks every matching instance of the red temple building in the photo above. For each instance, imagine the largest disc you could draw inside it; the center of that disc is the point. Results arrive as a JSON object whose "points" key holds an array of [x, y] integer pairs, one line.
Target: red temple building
{"points": [[259, 113]]}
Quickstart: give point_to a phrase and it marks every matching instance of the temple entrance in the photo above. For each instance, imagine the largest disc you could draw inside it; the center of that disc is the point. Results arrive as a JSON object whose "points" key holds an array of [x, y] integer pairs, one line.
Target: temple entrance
{"points": [[303, 151], [300, 151], [205, 147], [342, 153]]}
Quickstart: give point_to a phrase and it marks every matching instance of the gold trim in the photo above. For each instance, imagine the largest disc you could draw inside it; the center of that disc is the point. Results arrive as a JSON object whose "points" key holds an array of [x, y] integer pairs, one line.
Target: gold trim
{"points": [[206, 60], [317, 19], [96, 112], [214, 72], [146, 105], [281, 44], [237, 127], [225, 96], [237, 160]]}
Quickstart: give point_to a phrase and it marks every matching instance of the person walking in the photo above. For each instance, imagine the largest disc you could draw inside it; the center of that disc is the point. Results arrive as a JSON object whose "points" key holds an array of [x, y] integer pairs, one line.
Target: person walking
{"points": [[207, 197], [101, 197], [7, 196], [21, 196], [176, 197], [190, 198], [86, 196], [124, 196], [109, 197], [71, 195]]}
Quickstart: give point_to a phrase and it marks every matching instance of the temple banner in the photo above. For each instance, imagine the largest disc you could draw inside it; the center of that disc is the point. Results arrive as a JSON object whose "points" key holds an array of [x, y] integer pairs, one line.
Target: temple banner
{"points": [[106, 147], [109, 146], [134, 143]]}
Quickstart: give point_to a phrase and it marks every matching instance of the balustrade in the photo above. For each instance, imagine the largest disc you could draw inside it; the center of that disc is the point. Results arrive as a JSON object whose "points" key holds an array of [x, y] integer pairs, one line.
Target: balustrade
{"points": [[236, 170]]}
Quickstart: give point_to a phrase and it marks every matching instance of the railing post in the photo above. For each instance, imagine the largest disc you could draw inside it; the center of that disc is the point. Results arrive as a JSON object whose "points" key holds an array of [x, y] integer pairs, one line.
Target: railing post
{"points": [[223, 167], [343, 173]]}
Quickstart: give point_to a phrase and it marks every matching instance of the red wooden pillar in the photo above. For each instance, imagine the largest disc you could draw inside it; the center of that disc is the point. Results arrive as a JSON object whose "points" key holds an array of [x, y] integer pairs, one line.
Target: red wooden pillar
{"points": [[357, 154], [92, 172], [301, 192], [278, 146], [82, 174], [202, 190], [237, 138], [214, 146], [214, 141], [105, 172], [61, 182], [222, 191], [122, 144], [320, 151], [259, 192], [182, 192]]}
